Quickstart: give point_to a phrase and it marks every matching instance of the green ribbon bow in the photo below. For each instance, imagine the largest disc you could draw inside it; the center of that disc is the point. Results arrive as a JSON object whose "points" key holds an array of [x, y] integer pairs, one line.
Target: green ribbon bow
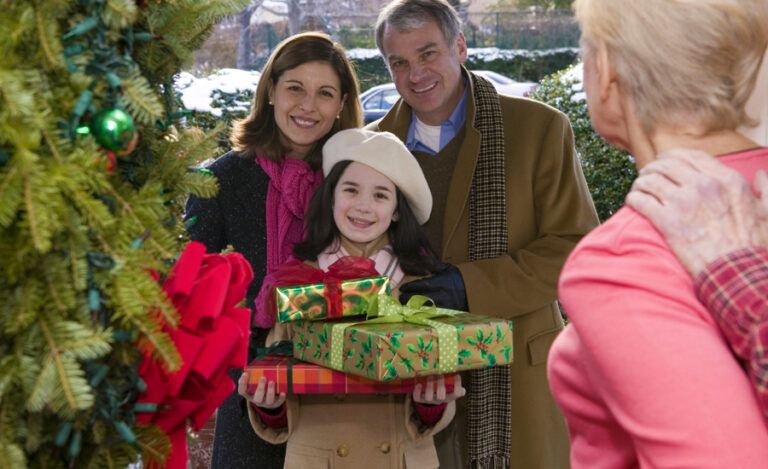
{"points": [[418, 310], [283, 348]]}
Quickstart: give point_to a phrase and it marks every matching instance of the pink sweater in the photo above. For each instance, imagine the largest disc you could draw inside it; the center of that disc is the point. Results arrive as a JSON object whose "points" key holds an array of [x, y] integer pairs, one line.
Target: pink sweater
{"points": [[642, 373]]}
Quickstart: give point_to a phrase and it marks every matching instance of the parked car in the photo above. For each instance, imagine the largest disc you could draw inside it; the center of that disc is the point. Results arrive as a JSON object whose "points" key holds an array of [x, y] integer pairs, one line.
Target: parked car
{"points": [[376, 101], [506, 85]]}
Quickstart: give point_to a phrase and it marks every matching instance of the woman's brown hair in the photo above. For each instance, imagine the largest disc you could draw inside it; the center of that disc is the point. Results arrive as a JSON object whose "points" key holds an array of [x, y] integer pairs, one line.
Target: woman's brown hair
{"points": [[258, 133]]}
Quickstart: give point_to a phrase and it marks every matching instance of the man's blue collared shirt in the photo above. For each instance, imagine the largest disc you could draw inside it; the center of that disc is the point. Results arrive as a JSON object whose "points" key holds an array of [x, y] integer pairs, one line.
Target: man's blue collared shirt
{"points": [[448, 129]]}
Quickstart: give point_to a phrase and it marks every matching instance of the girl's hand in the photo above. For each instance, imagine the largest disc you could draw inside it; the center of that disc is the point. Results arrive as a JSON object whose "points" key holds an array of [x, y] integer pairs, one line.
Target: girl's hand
{"points": [[264, 396], [434, 392]]}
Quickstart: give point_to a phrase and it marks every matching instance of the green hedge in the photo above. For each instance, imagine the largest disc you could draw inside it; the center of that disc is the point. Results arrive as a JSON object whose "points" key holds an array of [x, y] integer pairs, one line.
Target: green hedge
{"points": [[232, 107], [609, 172], [525, 65], [518, 65]]}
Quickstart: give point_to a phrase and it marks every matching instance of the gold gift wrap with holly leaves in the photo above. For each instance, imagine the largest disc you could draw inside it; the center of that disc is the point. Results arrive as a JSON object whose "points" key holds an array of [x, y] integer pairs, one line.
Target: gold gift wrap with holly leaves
{"points": [[429, 341], [328, 301]]}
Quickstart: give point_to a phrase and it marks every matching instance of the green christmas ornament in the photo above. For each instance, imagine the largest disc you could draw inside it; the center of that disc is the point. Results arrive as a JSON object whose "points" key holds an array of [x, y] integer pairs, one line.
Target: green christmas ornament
{"points": [[113, 129]]}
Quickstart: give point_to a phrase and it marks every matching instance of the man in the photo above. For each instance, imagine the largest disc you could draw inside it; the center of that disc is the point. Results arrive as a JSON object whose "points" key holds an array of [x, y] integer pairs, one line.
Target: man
{"points": [[510, 202], [719, 230]]}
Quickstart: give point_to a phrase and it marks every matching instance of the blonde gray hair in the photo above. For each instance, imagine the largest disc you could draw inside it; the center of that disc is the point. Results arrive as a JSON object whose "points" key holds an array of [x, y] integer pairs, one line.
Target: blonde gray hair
{"points": [[681, 60]]}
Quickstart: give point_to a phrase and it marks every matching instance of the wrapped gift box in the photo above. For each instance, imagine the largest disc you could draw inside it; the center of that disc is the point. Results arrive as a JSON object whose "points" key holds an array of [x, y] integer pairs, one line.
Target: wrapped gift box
{"points": [[308, 378], [384, 352], [328, 301]]}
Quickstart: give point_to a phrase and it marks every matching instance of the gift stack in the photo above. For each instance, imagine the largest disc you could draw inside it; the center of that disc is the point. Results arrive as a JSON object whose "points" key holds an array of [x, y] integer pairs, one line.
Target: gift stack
{"points": [[351, 336]]}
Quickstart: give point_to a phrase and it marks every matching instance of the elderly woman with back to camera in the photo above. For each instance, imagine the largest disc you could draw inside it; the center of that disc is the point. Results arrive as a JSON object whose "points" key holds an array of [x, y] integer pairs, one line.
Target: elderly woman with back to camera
{"points": [[642, 373], [307, 92]]}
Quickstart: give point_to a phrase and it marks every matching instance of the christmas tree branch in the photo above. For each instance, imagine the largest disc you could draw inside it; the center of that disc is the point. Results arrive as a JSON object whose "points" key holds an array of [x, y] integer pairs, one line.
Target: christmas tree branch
{"points": [[48, 42], [39, 242], [52, 145], [54, 295], [127, 207], [59, 365], [10, 194], [141, 99]]}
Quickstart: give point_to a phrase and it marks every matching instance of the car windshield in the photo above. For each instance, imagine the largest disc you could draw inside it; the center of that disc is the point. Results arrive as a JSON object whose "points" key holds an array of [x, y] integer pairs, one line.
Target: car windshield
{"points": [[389, 98], [382, 98], [373, 103]]}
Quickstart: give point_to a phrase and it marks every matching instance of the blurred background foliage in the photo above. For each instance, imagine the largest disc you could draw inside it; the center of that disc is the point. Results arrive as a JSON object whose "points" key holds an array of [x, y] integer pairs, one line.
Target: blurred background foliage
{"points": [[609, 172]]}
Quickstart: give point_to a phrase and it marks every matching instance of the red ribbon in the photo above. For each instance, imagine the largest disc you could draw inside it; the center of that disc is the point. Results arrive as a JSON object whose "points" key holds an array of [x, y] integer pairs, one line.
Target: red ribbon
{"points": [[346, 268], [295, 272], [211, 338]]}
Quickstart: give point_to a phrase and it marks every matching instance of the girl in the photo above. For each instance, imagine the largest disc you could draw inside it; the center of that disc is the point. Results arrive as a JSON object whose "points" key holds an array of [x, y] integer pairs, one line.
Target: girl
{"points": [[307, 91], [371, 204]]}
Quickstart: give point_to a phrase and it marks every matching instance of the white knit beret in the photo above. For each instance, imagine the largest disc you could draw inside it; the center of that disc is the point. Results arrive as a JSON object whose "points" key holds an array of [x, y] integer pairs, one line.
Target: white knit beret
{"points": [[385, 153]]}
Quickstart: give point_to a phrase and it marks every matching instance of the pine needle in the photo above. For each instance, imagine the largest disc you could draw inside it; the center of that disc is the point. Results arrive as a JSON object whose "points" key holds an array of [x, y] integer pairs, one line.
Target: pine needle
{"points": [[50, 44], [120, 14], [141, 100], [10, 193], [11, 456]]}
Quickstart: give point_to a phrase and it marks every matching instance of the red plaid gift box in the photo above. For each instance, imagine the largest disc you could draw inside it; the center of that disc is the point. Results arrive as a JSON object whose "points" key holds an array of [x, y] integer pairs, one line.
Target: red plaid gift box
{"points": [[296, 377]]}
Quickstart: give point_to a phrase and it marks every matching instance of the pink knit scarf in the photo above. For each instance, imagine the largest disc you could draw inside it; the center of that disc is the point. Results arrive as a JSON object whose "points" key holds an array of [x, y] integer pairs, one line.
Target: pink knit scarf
{"points": [[292, 183]]}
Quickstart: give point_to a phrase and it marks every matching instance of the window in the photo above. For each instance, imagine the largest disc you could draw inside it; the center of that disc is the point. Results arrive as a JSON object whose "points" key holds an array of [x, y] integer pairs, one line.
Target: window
{"points": [[373, 102], [389, 98]]}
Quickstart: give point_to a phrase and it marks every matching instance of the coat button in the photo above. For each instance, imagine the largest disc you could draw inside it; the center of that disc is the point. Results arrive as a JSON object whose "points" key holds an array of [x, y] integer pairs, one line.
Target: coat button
{"points": [[385, 447], [342, 451]]}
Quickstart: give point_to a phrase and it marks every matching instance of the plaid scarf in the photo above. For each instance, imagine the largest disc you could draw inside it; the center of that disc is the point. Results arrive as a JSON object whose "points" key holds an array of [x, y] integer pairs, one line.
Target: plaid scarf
{"points": [[489, 406]]}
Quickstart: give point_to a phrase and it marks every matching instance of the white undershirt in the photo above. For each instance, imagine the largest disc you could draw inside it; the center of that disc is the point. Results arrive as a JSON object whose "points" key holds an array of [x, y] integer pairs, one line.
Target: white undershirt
{"points": [[428, 135]]}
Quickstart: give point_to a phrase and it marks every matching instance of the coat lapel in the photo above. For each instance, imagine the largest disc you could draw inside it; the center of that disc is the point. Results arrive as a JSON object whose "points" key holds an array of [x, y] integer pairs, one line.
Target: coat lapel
{"points": [[457, 203], [398, 119]]}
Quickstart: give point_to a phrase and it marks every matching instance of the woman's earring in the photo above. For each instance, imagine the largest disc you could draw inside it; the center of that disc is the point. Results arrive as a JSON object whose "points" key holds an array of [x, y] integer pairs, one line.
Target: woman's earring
{"points": [[271, 103], [338, 116]]}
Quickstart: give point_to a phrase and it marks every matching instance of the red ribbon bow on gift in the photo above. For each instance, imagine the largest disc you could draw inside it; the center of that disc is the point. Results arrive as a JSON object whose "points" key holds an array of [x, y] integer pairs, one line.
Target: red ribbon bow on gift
{"points": [[212, 337], [295, 272]]}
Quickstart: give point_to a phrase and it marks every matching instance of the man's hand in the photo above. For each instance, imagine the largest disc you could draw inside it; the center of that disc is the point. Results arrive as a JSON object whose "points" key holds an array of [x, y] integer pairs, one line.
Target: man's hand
{"points": [[703, 208], [445, 288]]}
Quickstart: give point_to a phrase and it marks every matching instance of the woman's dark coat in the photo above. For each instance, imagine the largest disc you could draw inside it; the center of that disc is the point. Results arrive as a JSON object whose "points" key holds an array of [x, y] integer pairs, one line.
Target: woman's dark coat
{"points": [[236, 217]]}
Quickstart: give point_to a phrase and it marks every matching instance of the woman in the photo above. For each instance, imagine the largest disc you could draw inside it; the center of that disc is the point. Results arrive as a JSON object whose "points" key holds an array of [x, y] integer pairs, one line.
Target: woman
{"points": [[642, 373], [307, 92]]}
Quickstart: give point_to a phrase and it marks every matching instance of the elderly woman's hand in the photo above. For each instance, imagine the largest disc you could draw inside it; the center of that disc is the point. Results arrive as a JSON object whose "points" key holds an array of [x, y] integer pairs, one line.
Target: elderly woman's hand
{"points": [[264, 395], [434, 392], [703, 208]]}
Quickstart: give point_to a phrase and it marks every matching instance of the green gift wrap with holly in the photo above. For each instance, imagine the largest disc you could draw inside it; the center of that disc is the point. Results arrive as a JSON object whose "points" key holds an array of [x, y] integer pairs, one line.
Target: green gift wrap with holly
{"points": [[405, 341]]}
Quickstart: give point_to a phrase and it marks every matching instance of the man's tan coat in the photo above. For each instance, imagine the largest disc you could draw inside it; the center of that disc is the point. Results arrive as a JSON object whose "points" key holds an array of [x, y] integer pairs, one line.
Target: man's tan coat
{"points": [[549, 209]]}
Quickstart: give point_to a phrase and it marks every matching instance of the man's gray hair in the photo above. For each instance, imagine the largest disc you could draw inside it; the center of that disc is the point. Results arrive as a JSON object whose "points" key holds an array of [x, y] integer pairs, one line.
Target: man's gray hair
{"points": [[406, 15]]}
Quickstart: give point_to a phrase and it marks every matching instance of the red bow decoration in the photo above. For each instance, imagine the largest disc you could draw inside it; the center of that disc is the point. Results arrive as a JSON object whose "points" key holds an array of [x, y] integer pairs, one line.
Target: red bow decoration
{"points": [[295, 272], [212, 337]]}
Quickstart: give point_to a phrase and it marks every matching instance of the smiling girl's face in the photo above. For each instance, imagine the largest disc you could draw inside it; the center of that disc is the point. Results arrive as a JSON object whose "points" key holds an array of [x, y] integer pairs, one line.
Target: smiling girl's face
{"points": [[364, 204]]}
